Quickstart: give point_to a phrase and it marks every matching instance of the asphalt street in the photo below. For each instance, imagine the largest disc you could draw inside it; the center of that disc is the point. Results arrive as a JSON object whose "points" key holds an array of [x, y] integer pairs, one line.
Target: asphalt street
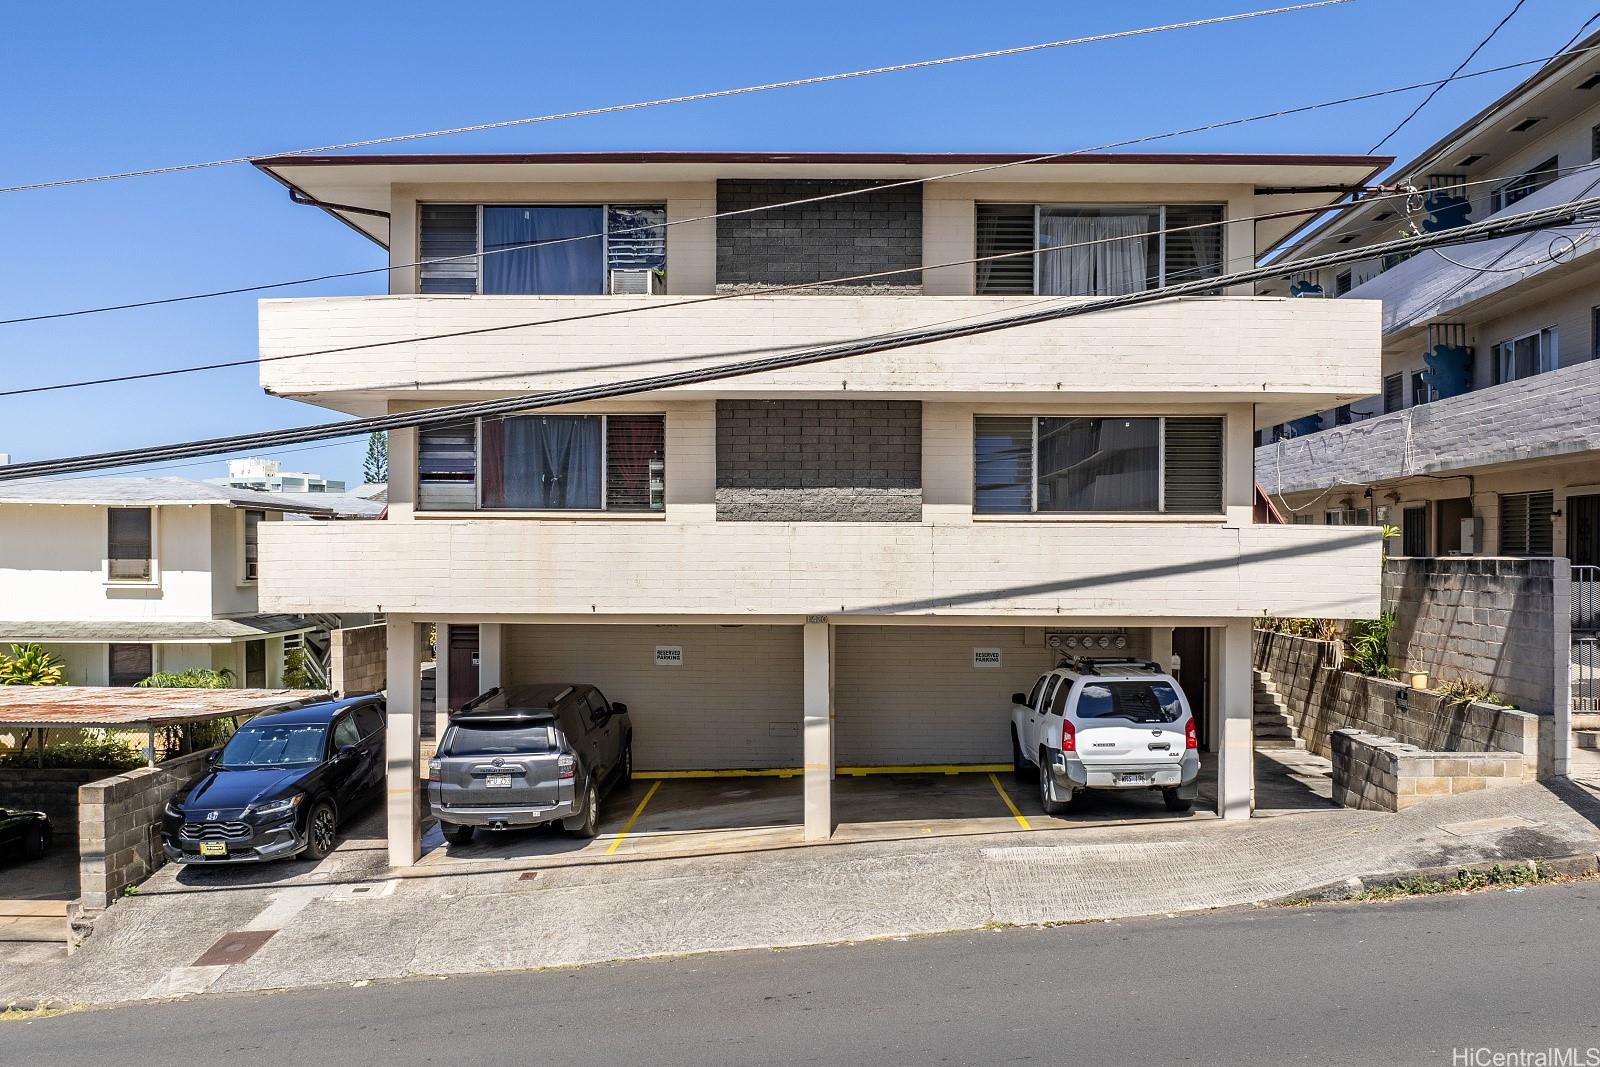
{"points": [[1392, 983]]}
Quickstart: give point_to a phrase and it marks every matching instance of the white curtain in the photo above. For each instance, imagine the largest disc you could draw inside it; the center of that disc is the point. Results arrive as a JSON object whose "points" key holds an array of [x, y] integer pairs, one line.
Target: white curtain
{"points": [[1106, 268]]}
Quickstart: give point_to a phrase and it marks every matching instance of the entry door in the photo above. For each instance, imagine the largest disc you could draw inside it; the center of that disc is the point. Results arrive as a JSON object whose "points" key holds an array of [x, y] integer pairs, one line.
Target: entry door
{"points": [[463, 665], [1192, 646], [1583, 530], [1414, 531]]}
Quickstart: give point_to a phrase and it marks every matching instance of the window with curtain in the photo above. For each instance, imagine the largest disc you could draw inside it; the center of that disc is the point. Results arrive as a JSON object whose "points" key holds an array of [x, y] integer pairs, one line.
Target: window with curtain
{"points": [[545, 249], [130, 664], [1523, 357], [1095, 250], [541, 462], [1097, 465]]}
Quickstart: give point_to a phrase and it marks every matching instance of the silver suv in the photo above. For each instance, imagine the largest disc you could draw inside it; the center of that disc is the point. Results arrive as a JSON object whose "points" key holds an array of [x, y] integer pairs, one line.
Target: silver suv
{"points": [[1105, 724], [529, 755]]}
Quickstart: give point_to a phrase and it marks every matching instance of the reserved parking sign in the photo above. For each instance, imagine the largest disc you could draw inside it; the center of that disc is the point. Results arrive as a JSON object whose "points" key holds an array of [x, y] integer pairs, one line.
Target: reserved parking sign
{"points": [[986, 657], [669, 655]]}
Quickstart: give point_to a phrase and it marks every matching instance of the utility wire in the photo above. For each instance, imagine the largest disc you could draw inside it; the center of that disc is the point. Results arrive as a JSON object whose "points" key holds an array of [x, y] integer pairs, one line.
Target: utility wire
{"points": [[688, 98], [1576, 211], [878, 187], [1459, 68]]}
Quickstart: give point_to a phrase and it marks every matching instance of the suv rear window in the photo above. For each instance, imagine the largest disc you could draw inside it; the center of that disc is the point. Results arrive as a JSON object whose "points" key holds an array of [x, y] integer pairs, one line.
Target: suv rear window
{"points": [[1138, 701], [496, 739]]}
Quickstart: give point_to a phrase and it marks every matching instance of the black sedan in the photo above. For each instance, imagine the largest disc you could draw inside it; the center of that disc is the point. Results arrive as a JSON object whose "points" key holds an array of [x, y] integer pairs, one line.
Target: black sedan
{"points": [[281, 786], [24, 833]]}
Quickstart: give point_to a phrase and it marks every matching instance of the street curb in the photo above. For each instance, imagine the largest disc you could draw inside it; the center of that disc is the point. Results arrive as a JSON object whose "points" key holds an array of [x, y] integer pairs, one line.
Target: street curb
{"points": [[1574, 865]]}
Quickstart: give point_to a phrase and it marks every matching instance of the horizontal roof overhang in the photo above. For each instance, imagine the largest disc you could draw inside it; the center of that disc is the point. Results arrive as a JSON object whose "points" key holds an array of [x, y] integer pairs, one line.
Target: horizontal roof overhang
{"points": [[155, 632], [356, 188]]}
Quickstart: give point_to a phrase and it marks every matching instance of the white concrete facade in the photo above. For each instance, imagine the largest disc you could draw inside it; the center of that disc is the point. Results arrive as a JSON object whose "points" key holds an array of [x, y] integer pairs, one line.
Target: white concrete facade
{"points": [[803, 644]]}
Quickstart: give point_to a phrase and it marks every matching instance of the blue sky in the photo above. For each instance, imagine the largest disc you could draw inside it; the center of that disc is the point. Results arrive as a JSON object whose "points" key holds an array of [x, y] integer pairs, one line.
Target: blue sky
{"points": [[98, 87]]}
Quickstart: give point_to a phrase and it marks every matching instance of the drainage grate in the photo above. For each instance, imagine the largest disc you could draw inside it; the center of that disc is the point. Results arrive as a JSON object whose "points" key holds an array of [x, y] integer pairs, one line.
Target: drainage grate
{"points": [[234, 948]]}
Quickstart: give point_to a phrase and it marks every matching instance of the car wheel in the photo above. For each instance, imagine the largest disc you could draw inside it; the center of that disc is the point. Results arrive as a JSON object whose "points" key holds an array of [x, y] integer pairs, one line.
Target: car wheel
{"points": [[458, 835], [35, 843], [1174, 802], [1020, 767], [588, 825], [1047, 801], [322, 827]]}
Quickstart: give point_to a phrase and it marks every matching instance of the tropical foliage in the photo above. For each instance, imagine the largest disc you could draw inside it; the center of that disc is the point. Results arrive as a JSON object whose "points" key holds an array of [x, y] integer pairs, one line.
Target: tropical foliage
{"points": [[1366, 646], [29, 665], [193, 678]]}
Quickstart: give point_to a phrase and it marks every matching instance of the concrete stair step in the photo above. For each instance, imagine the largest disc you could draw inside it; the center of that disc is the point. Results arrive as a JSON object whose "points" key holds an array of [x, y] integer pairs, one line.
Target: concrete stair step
{"points": [[33, 928], [1280, 742], [1586, 720], [1589, 739]]}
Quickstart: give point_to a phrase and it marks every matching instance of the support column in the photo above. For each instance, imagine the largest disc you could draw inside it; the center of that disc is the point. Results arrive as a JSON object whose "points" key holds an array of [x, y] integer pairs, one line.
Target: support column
{"points": [[491, 656], [1236, 776], [817, 731], [441, 678], [404, 756]]}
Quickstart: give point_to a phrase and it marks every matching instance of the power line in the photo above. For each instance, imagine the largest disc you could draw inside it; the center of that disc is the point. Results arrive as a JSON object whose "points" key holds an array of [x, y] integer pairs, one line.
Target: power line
{"points": [[448, 414], [1459, 68], [688, 98], [878, 187]]}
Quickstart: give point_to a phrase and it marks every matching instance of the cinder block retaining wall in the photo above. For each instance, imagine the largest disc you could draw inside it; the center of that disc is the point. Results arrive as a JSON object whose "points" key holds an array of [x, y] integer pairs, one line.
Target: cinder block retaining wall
{"points": [[52, 790], [358, 659], [1502, 622], [119, 826], [1381, 774], [1323, 699]]}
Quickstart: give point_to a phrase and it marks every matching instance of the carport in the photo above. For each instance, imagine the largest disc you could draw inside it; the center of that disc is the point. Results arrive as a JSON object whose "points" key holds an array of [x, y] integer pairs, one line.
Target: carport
{"points": [[830, 728]]}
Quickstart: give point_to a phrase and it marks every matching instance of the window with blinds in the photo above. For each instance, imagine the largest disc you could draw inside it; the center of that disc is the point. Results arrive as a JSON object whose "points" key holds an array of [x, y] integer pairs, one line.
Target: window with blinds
{"points": [[635, 463], [1393, 393], [129, 544], [1100, 249], [1079, 464], [1527, 524], [447, 468], [541, 248]]}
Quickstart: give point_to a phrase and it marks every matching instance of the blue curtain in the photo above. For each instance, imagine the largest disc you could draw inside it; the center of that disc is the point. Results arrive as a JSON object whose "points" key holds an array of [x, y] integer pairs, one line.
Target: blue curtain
{"points": [[569, 268], [542, 461]]}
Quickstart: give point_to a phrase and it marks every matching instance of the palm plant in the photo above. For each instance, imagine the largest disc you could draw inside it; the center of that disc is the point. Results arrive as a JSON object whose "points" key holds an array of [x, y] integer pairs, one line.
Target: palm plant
{"points": [[29, 665]]}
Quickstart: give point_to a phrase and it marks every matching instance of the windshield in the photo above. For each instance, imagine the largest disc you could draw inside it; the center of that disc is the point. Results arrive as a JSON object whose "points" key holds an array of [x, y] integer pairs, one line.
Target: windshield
{"points": [[1136, 701], [496, 739], [274, 745]]}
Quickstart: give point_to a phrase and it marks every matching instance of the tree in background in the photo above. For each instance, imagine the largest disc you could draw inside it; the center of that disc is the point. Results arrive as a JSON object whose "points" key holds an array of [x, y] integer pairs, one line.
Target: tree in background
{"points": [[29, 665], [375, 468]]}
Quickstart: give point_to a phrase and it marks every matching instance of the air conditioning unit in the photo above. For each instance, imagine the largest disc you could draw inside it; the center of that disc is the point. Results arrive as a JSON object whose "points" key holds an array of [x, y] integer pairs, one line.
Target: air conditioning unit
{"points": [[634, 282]]}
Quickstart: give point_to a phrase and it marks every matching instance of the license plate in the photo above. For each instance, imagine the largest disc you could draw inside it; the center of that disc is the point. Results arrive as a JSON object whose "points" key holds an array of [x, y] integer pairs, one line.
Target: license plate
{"points": [[1133, 779], [498, 781], [213, 848]]}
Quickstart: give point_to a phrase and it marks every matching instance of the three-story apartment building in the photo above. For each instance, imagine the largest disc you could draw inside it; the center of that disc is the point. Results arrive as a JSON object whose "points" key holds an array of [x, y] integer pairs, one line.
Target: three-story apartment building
{"points": [[1482, 439], [851, 563]]}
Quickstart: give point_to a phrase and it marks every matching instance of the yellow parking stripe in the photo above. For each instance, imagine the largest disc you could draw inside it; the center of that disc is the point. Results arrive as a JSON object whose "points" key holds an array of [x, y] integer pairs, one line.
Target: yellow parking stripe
{"points": [[635, 816], [998, 788], [853, 772]]}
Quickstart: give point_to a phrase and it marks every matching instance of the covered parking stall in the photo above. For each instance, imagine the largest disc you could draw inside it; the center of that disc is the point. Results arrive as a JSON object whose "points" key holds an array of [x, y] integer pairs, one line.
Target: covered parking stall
{"points": [[828, 727]]}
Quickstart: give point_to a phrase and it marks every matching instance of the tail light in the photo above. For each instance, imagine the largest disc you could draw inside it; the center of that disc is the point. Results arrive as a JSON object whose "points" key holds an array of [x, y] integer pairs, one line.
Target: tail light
{"points": [[433, 770], [1188, 735], [1069, 735], [567, 767]]}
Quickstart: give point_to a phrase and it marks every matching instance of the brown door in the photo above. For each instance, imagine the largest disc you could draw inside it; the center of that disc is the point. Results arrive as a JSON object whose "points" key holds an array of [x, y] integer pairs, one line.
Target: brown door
{"points": [[1192, 646], [463, 665]]}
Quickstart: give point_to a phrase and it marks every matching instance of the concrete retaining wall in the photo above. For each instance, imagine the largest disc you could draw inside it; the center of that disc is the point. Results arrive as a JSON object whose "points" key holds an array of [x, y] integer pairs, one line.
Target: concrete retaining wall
{"points": [[358, 659], [1376, 773], [1323, 699], [119, 827], [52, 790]]}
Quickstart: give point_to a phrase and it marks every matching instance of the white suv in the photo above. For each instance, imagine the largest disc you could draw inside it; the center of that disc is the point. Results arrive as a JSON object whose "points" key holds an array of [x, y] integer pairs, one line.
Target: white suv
{"points": [[1105, 724]]}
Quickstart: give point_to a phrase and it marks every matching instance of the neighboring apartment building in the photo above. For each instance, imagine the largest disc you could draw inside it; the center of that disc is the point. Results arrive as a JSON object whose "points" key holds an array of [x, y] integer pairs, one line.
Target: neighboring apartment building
{"points": [[122, 577], [1483, 438], [268, 476], [854, 563]]}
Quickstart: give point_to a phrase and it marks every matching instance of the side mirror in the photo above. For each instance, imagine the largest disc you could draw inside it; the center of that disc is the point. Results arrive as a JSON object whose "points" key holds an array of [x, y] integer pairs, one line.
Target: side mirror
{"points": [[1019, 698], [619, 709], [345, 752], [211, 757]]}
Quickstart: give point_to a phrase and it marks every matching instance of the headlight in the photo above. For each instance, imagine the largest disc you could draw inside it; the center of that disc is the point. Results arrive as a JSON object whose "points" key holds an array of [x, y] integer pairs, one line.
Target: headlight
{"points": [[174, 812], [276, 807]]}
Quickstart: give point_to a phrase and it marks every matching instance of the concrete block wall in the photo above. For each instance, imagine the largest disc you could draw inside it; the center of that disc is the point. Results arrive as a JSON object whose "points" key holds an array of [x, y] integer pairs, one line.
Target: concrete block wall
{"points": [[865, 234], [1498, 621], [52, 790], [357, 659], [819, 460], [1323, 699], [119, 827], [1376, 773]]}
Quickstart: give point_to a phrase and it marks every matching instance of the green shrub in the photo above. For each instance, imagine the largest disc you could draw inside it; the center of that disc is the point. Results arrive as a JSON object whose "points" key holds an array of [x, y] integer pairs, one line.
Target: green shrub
{"points": [[1366, 646], [295, 675], [1460, 691], [107, 753], [193, 678], [29, 665]]}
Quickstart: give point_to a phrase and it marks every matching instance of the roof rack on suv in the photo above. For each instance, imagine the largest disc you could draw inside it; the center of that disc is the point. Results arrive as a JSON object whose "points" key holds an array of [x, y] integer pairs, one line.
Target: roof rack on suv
{"points": [[1092, 664]]}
